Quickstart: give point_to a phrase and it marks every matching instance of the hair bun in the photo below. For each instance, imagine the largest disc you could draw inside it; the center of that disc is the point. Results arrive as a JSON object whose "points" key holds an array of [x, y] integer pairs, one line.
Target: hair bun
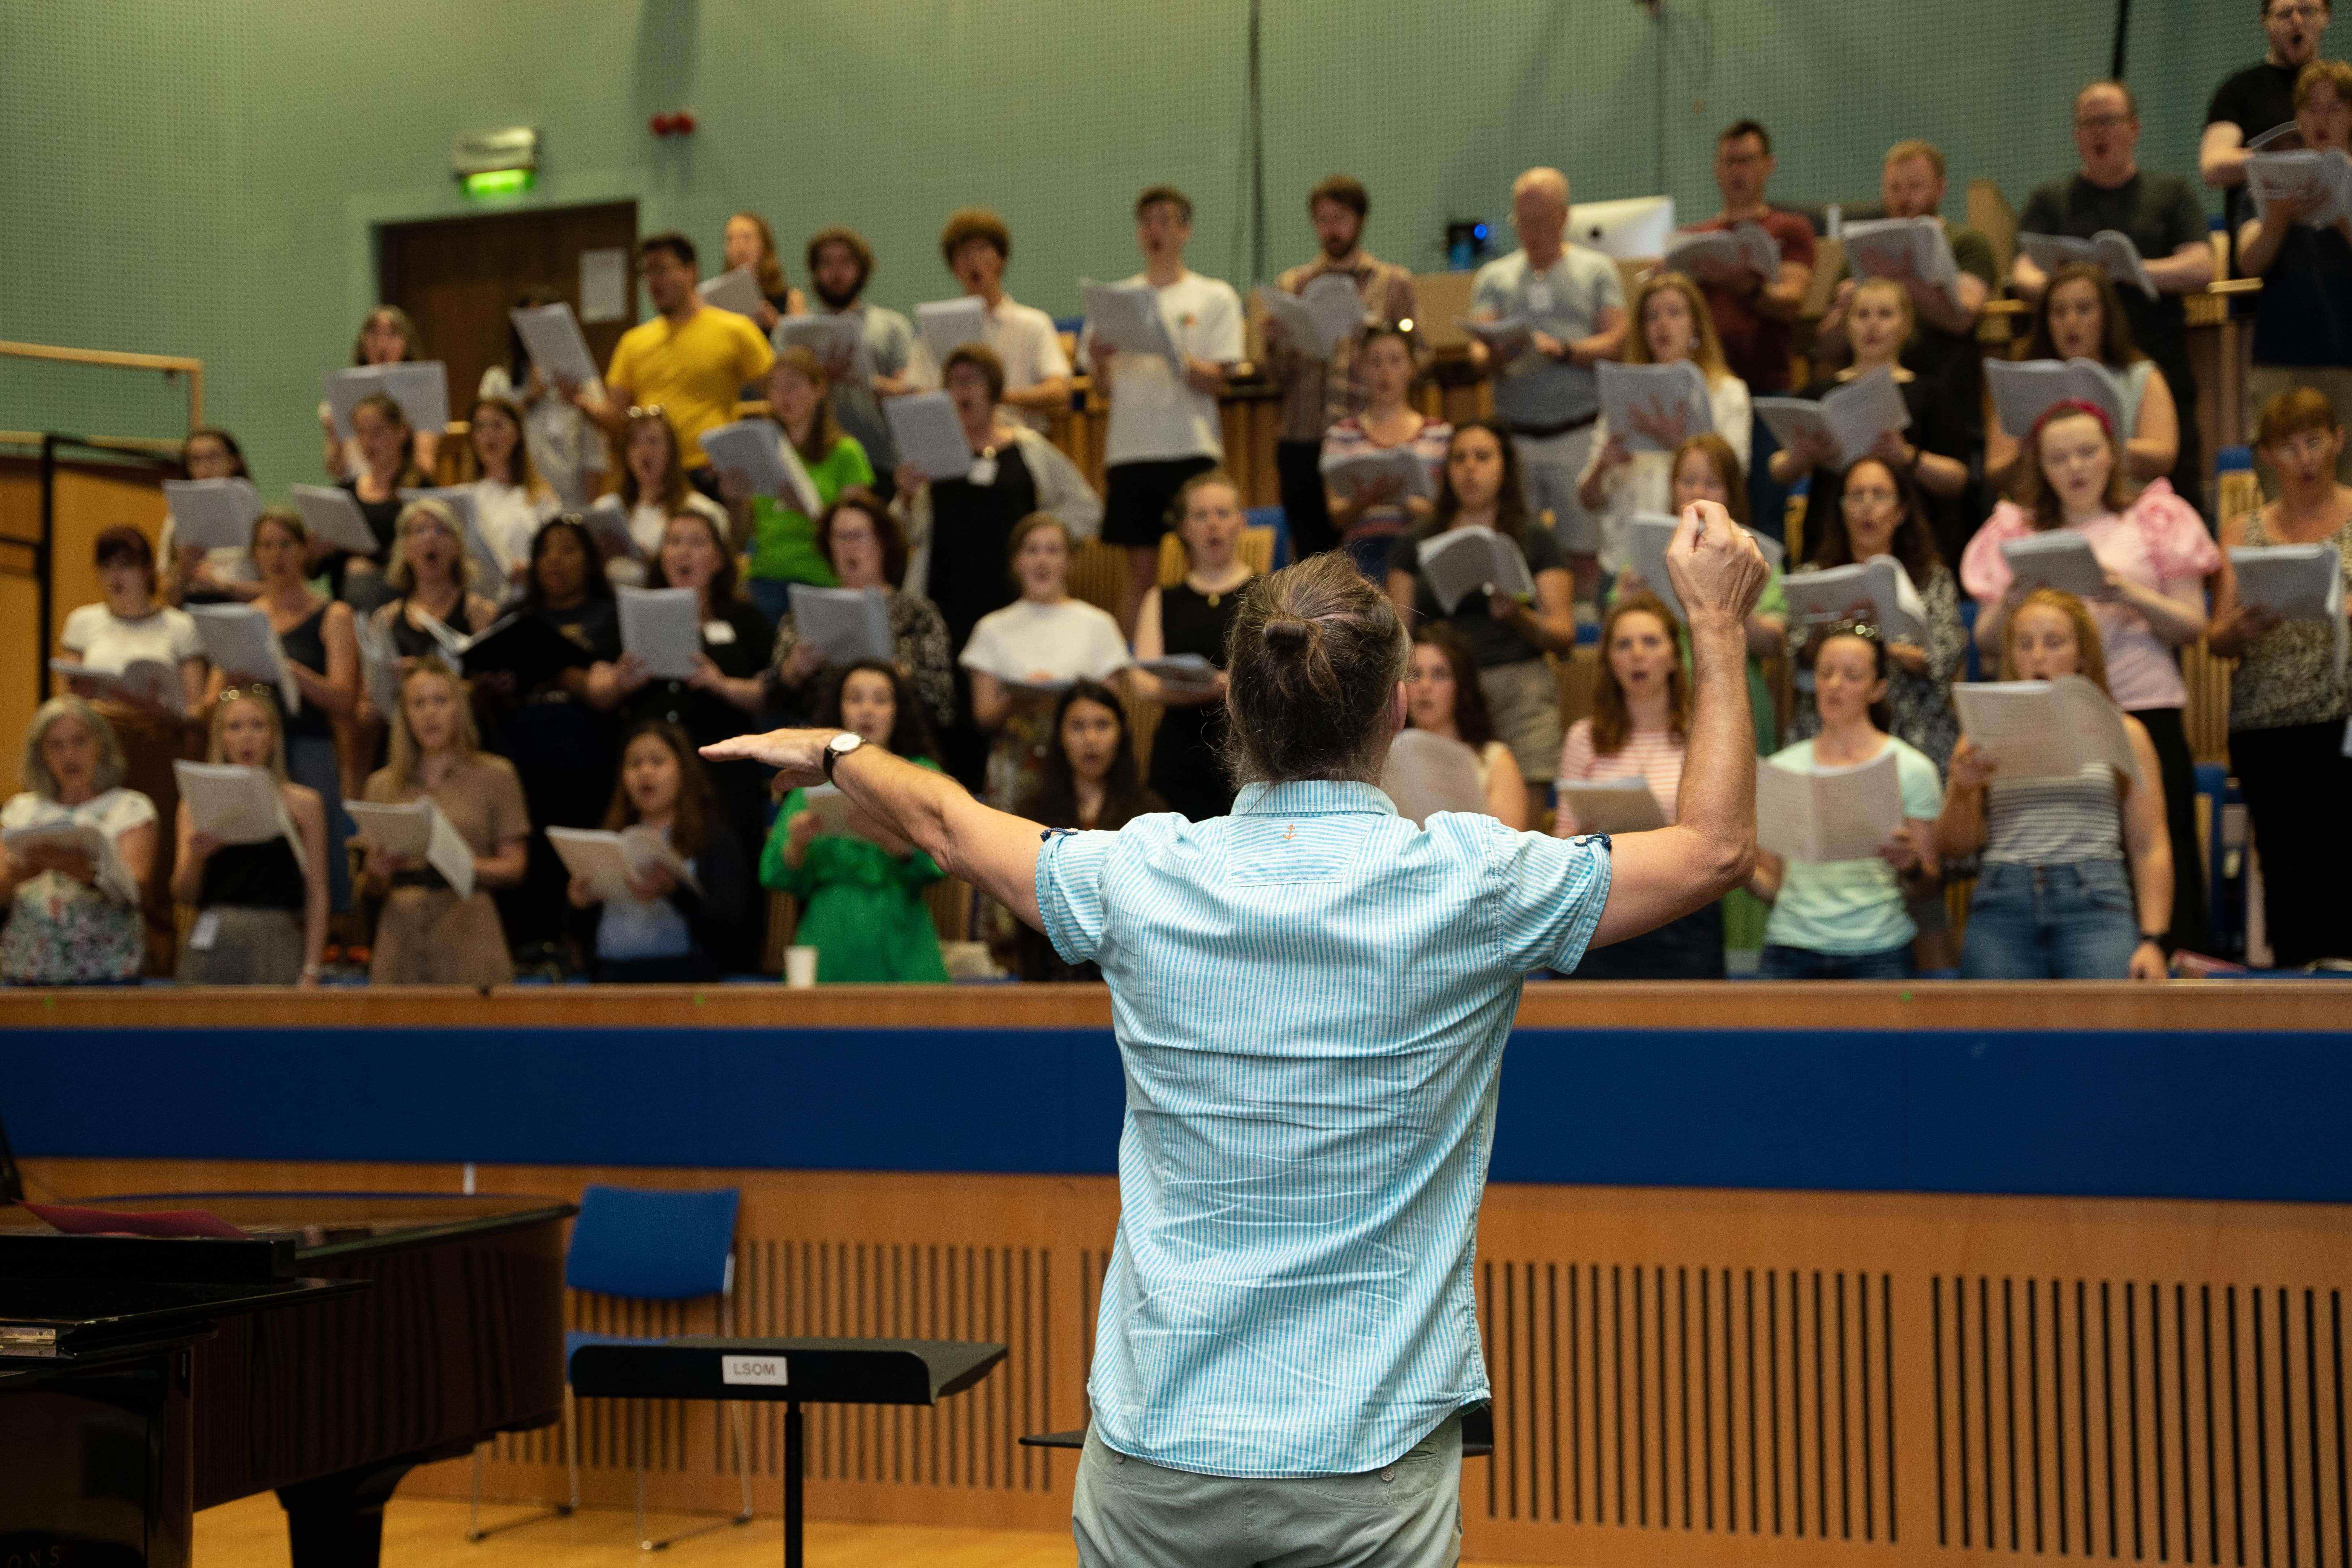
{"points": [[1286, 634]]}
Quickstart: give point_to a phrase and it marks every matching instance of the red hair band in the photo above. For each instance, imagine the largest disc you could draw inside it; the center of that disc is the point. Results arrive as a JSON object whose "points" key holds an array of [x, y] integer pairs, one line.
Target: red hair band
{"points": [[2066, 407]]}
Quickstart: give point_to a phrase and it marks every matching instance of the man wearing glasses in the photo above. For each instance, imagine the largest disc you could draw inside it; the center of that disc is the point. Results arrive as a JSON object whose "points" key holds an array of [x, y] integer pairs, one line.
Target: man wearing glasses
{"points": [[2166, 223], [2258, 100]]}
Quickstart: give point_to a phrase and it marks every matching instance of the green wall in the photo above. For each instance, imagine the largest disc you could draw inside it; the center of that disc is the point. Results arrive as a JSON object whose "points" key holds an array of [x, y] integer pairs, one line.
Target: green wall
{"points": [[203, 178]]}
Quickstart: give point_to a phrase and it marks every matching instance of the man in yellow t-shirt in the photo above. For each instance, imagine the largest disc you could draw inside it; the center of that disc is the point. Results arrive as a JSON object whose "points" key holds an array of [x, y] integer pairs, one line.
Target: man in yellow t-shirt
{"points": [[691, 360]]}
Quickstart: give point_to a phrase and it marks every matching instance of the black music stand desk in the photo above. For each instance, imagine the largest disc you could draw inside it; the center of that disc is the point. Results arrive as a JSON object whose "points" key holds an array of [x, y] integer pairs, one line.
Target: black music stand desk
{"points": [[790, 1372]]}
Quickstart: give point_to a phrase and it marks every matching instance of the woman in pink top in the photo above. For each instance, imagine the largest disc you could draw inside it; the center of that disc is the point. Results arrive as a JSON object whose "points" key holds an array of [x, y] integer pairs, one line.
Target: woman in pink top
{"points": [[1638, 730], [2157, 558]]}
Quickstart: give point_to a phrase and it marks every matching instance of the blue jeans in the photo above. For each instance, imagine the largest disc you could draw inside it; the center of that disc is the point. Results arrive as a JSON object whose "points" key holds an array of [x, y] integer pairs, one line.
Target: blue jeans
{"points": [[1777, 963], [2050, 922]]}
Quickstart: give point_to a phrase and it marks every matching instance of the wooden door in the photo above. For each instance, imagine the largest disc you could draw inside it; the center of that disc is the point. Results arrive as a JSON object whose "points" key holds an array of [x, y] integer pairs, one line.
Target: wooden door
{"points": [[459, 277]]}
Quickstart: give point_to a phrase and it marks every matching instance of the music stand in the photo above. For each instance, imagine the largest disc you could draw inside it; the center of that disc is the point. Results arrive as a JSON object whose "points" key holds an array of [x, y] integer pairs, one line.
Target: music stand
{"points": [[787, 1372]]}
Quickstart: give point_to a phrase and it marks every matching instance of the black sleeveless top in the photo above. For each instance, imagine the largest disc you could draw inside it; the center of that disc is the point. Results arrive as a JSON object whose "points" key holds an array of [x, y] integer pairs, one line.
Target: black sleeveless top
{"points": [[412, 641], [252, 876], [1185, 770], [972, 532], [306, 645]]}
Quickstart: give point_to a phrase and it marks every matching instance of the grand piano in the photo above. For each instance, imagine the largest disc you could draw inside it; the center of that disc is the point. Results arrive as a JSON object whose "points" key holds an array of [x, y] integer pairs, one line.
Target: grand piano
{"points": [[397, 1329]]}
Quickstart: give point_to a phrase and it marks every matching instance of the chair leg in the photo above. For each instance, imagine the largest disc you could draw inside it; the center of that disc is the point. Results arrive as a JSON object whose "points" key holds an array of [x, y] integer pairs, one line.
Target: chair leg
{"points": [[742, 1470], [742, 1458], [477, 1533]]}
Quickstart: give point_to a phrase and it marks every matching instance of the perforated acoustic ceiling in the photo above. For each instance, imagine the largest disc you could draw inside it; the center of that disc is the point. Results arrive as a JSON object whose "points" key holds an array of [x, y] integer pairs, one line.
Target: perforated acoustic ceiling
{"points": [[197, 178]]}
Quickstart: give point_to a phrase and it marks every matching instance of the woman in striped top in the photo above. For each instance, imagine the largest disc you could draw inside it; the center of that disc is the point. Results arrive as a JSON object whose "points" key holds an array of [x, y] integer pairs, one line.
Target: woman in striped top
{"points": [[1370, 520], [1639, 727], [2064, 858]]}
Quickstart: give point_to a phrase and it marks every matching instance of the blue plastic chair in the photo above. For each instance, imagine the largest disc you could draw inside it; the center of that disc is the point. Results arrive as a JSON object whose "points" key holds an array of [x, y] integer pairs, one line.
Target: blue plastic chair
{"points": [[643, 1245], [1275, 518]]}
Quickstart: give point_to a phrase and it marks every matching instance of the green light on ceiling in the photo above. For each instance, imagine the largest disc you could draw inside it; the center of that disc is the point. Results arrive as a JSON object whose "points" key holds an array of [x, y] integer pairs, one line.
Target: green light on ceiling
{"points": [[500, 181]]}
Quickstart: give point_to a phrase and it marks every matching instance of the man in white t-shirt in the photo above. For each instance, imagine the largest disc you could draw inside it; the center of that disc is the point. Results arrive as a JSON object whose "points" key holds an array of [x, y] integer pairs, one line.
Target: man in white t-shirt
{"points": [[1163, 421], [976, 245], [1546, 388]]}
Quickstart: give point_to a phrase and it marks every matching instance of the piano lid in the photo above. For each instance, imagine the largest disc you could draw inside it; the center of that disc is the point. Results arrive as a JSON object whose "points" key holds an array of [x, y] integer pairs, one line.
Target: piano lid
{"points": [[322, 1226], [67, 1319]]}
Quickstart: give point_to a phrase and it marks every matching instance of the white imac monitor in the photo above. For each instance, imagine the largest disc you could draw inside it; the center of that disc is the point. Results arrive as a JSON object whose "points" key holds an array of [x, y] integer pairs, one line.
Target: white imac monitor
{"points": [[1633, 229]]}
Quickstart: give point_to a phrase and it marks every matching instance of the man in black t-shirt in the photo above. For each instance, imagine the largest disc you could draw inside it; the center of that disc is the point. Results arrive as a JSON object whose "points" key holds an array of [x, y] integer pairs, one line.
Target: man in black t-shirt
{"points": [[2166, 223], [2257, 99]]}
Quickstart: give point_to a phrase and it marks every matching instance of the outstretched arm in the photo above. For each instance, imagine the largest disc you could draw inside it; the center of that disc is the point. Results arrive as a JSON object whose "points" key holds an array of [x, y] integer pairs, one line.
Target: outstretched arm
{"points": [[992, 850], [1664, 875]]}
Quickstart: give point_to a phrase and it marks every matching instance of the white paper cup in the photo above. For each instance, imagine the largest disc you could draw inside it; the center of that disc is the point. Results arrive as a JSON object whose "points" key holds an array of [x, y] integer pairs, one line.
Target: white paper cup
{"points": [[800, 967]]}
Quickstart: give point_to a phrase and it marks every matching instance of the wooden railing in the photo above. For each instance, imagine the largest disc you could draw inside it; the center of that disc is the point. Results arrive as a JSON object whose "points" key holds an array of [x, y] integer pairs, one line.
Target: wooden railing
{"points": [[115, 359]]}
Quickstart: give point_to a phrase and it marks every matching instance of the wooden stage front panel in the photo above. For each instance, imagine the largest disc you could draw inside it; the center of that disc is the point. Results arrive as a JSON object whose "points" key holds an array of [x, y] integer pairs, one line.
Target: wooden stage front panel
{"points": [[1680, 1375]]}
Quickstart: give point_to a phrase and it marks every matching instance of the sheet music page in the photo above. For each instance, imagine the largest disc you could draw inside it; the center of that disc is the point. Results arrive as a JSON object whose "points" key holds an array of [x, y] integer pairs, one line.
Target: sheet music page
{"points": [[551, 337], [234, 804], [608, 519], [648, 847], [928, 434], [2095, 725], [1365, 473], [1639, 398], [330, 513], [2298, 582], [1790, 419], [1427, 774], [830, 337], [240, 640], [660, 626], [1186, 670], [752, 447], [1335, 306], [1837, 814], [405, 829], [844, 623], [1458, 562], [597, 858], [446, 852], [1127, 317], [946, 325], [213, 514], [1614, 806], [1300, 328], [737, 290], [379, 664], [2059, 559], [1865, 409], [2020, 725]]}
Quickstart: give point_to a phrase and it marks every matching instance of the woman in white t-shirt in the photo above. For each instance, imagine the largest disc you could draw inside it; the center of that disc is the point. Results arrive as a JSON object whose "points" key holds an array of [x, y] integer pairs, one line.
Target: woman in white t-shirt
{"points": [[566, 449], [1022, 655], [1672, 325], [653, 489], [1442, 695], [128, 629], [74, 914], [511, 500]]}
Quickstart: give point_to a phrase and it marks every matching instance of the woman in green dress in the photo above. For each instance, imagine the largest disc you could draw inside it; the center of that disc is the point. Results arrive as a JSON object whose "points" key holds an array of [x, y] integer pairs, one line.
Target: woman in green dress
{"points": [[860, 886]]}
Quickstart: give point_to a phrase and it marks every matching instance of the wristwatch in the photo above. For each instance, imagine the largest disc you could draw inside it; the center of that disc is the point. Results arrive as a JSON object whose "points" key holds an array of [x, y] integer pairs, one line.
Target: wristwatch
{"points": [[840, 746]]}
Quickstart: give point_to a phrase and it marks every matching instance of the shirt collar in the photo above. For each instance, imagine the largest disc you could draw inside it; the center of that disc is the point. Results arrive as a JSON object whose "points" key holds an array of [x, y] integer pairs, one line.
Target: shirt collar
{"points": [[1312, 797]]}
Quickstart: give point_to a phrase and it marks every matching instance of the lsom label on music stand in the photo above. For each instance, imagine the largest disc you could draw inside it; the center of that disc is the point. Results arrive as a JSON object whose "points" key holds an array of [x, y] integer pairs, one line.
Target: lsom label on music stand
{"points": [[760, 1369]]}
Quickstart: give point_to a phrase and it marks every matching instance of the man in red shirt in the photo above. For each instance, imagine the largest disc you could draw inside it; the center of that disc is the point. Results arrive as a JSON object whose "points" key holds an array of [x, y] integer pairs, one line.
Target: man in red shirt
{"points": [[1754, 315]]}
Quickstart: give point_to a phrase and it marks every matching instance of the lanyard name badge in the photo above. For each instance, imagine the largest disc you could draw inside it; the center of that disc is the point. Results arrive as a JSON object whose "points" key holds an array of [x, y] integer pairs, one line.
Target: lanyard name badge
{"points": [[1539, 295], [983, 473]]}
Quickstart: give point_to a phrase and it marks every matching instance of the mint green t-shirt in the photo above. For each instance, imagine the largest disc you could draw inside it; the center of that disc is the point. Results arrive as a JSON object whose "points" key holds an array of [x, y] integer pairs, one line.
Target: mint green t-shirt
{"points": [[1850, 907], [784, 538]]}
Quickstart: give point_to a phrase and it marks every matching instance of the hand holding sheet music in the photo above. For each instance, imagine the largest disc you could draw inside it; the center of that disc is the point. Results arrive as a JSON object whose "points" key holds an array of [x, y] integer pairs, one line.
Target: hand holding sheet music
{"points": [[663, 627], [1655, 408], [2060, 560], [757, 449], [2044, 729], [237, 805], [1647, 536], [1835, 814], [2110, 248], [1851, 419], [143, 681], [2023, 389], [62, 837], [2295, 582], [1903, 248], [1461, 561], [239, 640], [1317, 319], [735, 290], [1878, 590], [1389, 474], [1709, 255], [838, 342], [333, 518], [1127, 317], [416, 832], [614, 865]]}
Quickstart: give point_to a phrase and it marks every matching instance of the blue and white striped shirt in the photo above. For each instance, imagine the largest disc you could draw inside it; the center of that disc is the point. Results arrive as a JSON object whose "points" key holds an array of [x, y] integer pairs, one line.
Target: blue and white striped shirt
{"points": [[1311, 997]]}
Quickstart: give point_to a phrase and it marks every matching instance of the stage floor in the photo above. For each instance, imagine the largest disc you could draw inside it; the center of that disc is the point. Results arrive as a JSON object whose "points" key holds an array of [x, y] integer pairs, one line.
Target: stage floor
{"points": [[426, 1532]]}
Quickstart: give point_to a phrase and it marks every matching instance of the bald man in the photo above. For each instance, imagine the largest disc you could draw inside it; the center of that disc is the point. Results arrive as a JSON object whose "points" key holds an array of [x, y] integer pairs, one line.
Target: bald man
{"points": [[1545, 387]]}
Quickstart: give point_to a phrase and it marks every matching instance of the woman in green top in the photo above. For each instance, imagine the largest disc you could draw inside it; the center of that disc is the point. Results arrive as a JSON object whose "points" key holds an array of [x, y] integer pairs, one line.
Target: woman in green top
{"points": [[860, 890], [782, 538]]}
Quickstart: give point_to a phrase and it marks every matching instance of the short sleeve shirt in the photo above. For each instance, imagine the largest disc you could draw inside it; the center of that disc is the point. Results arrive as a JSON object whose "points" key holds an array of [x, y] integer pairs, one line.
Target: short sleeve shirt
{"points": [[1850, 907], [1070, 641], [693, 372], [114, 814], [105, 641], [1029, 346], [2159, 214], [1311, 998], [2256, 99], [1533, 391], [1757, 346], [1155, 414]]}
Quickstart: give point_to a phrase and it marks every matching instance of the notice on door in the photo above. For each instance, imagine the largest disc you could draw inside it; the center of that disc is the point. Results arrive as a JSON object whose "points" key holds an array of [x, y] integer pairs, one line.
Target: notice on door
{"points": [[604, 285]]}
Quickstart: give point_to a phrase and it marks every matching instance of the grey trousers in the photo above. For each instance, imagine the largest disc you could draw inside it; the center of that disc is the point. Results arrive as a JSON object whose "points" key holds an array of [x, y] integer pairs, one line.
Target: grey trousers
{"points": [[1128, 1513]]}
